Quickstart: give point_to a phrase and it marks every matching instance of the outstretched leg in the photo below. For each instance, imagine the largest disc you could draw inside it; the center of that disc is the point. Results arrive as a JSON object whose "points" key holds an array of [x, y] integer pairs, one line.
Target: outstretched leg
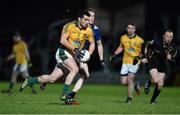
{"points": [[57, 73]]}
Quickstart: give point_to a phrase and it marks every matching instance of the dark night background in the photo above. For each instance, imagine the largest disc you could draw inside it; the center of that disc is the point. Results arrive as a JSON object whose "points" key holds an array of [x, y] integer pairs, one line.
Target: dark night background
{"points": [[40, 23]]}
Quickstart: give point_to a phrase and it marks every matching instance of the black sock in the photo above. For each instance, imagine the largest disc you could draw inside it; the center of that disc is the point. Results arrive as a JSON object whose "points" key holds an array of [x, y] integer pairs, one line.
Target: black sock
{"points": [[155, 93], [129, 99], [136, 84], [11, 84], [72, 94], [149, 82]]}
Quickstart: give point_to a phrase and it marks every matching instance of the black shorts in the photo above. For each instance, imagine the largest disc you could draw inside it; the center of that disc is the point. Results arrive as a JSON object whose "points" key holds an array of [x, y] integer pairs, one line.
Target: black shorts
{"points": [[155, 63]]}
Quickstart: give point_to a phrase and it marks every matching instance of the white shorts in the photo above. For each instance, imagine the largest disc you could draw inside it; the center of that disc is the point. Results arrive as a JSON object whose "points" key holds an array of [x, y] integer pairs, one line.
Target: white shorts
{"points": [[61, 55], [126, 68], [20, 68]]}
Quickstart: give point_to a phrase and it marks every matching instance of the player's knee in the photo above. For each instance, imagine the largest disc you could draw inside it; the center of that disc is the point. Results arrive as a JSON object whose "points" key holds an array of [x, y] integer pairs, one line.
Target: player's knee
{"points": [[123, 82], [130, 83], [13, 80], [74, 70]]}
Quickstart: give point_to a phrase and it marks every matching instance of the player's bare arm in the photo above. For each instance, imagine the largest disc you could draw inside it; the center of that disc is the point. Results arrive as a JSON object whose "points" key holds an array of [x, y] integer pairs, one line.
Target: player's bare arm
{"points": [[10, 57], [100, 49], [118, 50], [91, 47], [64, 41]]}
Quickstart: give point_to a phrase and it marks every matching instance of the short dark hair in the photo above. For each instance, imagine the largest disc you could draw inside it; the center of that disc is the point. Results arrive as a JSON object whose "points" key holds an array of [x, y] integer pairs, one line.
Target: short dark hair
{"points": [[82, 13], [167, 30], [91, 10], [131, 23]]}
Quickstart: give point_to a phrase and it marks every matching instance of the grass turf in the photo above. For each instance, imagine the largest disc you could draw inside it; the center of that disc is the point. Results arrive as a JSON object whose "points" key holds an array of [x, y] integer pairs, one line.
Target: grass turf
{"points": [[95, 99]]}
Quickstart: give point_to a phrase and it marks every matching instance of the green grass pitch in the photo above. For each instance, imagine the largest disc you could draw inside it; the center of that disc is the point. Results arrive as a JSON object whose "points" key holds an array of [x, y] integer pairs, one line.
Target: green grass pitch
{"points": [[94, 98]]}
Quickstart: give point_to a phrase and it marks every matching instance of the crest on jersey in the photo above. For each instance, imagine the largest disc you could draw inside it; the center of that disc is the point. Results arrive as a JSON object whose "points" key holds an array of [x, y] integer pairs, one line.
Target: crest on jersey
{"points": [[131, 49]]}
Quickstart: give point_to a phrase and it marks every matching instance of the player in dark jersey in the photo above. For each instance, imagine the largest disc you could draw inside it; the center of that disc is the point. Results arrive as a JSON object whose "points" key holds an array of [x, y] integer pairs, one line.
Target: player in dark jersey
{"points": [[157, 52], [97, 37]]}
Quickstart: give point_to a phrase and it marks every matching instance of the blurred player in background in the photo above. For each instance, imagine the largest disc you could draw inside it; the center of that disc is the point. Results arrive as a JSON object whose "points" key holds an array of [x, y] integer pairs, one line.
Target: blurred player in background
{"points": [[72, 41], [84, 70], [131, 44], [157, 52], [22, 58], [97, 37]]}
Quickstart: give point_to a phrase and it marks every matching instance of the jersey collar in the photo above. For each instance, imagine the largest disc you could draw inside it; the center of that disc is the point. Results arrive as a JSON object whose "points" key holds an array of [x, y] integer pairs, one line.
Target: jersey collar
{"points": [[132, 36]]}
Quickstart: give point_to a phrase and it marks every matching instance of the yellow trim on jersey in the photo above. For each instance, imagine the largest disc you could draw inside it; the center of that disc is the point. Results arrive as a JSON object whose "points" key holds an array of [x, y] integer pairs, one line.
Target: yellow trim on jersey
{"points": [[131, 46], [19, 51], [77, 36]]}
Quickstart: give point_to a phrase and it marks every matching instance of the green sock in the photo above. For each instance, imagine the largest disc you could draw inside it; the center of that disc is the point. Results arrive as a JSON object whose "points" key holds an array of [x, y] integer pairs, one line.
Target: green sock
{"points": [[65, 89], [11, 85], [33, 80], [33, 89]]}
